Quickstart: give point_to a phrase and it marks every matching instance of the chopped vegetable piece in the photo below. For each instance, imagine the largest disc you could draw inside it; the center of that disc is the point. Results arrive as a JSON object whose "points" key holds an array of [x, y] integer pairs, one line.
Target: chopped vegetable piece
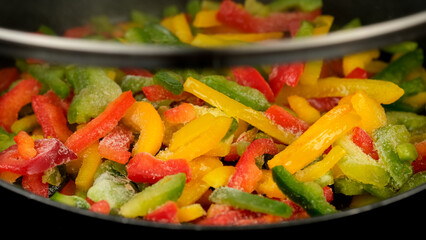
{"points": [[115, 145], [74, 201], [249, 76], [25, 145]]}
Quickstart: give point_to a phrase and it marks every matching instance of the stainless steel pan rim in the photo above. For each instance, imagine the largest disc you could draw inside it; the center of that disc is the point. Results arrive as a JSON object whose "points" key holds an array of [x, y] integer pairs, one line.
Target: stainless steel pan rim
{"points": [[193, 227], [57, 49]]}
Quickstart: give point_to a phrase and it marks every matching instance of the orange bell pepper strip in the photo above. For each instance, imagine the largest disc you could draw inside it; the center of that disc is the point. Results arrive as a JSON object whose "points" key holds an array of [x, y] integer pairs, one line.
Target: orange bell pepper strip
{"points": [[142, 117], [238, 110], [314, 141], [12, 101], [180, 114], [115, 145], [102, 124], [25, 145], [384, 92]]}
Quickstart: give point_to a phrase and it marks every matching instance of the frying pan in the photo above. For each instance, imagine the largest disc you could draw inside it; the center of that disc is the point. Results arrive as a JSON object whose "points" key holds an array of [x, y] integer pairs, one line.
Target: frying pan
{"points": [[385, 21]]}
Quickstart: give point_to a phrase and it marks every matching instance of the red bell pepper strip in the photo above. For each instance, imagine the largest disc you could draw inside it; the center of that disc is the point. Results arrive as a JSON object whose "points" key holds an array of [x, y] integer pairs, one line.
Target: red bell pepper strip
{"points": [[358, 73], [247, 174], [324, 104], [33, 183], [50, 152], [285, 74], [365, 142], [51, 117], [100, 207], [249, 76], [166, 213], [181, 114], [328, 193], [25, 145], [12, 101], [62, 103], [102, 124], [235, 16], [283, 118], [419, 164], [115, 145], [69, 188], [7, 76], [156, 93], [144, 167], [79, 32], [137, 72]]}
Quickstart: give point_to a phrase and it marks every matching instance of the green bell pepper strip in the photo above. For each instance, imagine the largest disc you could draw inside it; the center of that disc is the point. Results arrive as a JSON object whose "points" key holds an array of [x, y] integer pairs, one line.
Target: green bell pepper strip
{"points": [[74, 201], [246, 95], [414, 181], [111, 186], [93, 90], [308, 195], [412, 121], [170, 81], [135, 83], [51, 77], [351, 187], [137, 35], [168, 188], [256, 203], [193, 7], [161, 35], [141, 18], [6, 139], [354, 23], [406, 46], [387, 139], [413, 86], [306, 29], [303, 5], [398, 69]]}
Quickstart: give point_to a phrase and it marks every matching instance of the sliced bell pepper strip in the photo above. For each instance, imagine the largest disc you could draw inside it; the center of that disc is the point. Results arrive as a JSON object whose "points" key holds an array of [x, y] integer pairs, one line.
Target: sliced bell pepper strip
{"points": [[219, 177], [308, 195], [283, 118], [155, 93], [25, 145], [249, 76], [247, 173], [248, 37], [206, 19], [102, 124], [79, 32], [387, 139], [304, 5], [207, 41], [180, 114], [359, 166], [363, 140], [191, 141], [7, 76], [398, 69], [243, 200], [324, 104], [419, 164], [412, 121], [237, 110], [246, 95], [358, 73], [314, 141], [268, 187], [190, 213], [322, 24], [115, 145], [52, 77], [303, 109], [143, 167], [12, 101], [371, 112], [180, 27], [167, 189], [93, 90], [100, 207], [27, 124], [285, 74], [169, 80], [233, 15], [51, 118], [382, 91], [50, 152], [135, 83], [91, 159], [358, 60], [166, 213], [142, 117], [318, 169], [33, 183], [73, 200]]}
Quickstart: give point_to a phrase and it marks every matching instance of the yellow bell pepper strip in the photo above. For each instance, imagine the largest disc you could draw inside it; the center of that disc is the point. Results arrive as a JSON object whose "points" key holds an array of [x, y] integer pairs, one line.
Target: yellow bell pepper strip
{"points": [[311, 72], [249, 37], [359, 166], [222, 148], [190, 213], [358, 60], [318, 169], [27, 123], [383, 92], [91, 161], [196, 187], [206, 19], [303, 109], [371, 112], [238, 110], [314, 141], [322, 24], [416, 101], [197, 137], [219, 177], [207, 41], [268, 187], [142, 117], [181, 28]]}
